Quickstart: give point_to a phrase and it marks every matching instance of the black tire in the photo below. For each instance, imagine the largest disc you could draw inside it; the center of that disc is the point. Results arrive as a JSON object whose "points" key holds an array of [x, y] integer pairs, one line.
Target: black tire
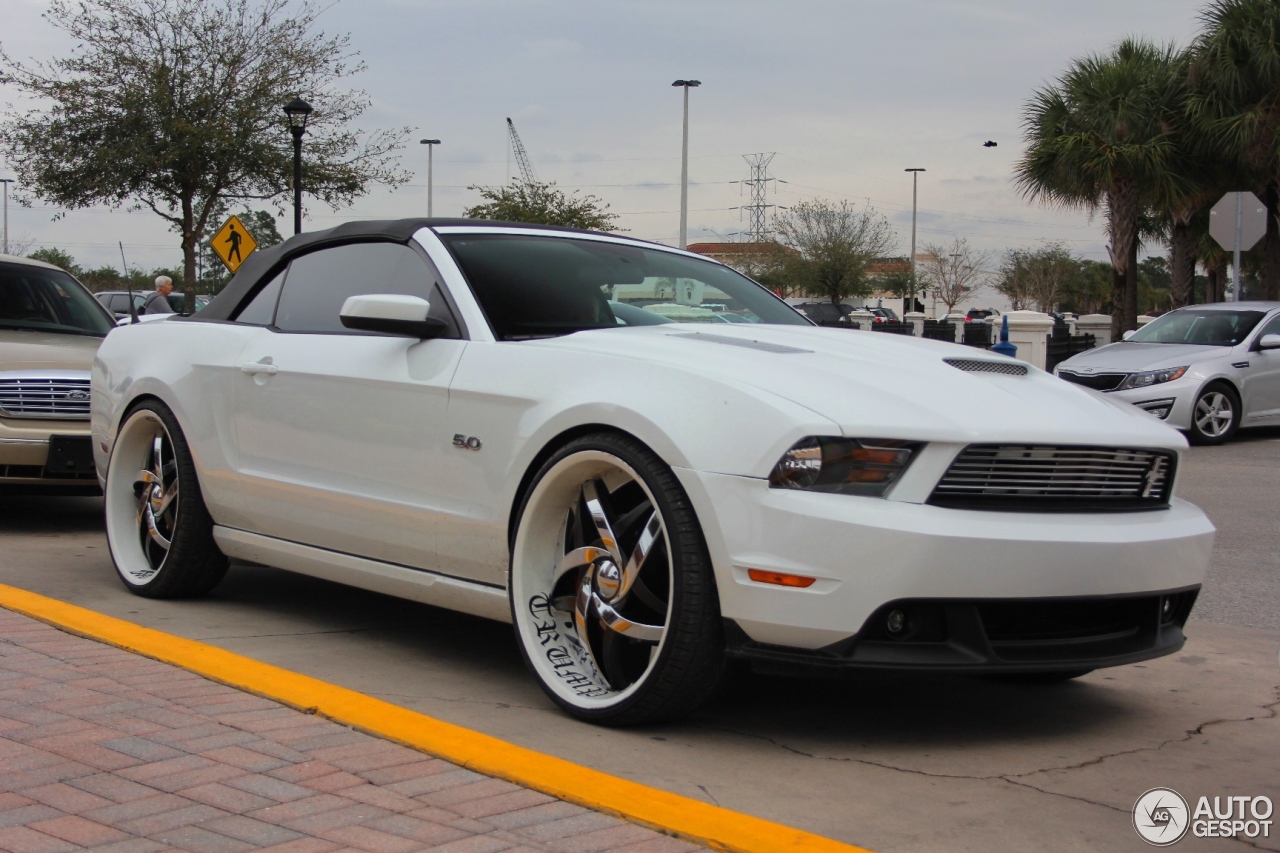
{"points": [[1207, 425], [637, 680], [150, 461]]}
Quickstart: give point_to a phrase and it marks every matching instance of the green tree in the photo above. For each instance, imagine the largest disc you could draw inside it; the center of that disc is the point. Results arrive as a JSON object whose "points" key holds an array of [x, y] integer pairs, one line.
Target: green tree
{"points": [[1100, 138], [57, 257], [900, 283], [1090, 290], [1236, 99], [542, 204], [175, 106], [826, 248], [1042, 277]]}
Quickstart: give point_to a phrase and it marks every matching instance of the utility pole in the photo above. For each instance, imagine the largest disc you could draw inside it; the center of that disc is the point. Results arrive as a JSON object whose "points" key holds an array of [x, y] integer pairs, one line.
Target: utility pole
{"points": [[915, 175], [684, 163], [431, 146], [6, 182]]}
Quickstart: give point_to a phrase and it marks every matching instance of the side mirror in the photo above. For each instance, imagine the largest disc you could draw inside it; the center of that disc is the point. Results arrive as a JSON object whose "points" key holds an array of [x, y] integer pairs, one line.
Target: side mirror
{"points": [[391, 314], [1269, 342], [1128, 334]]}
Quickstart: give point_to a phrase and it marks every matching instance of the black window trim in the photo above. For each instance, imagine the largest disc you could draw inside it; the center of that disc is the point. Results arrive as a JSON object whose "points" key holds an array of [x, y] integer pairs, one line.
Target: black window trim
{"points": [[287, 264]]}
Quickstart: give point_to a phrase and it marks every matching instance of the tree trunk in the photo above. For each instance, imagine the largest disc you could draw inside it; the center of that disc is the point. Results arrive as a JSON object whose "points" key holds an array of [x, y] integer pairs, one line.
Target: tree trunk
{"points": [[188, 256], [1269, 269], [1182, 265], [1123, 210], [1131, 288]]}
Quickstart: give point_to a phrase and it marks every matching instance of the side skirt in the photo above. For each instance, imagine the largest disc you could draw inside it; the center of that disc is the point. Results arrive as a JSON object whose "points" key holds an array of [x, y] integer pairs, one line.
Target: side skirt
{"points": [[477, 599]]}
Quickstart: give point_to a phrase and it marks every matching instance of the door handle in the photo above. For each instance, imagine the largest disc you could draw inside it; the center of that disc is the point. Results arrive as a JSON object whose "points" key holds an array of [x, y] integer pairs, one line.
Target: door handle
{"points": [[255, 367]]}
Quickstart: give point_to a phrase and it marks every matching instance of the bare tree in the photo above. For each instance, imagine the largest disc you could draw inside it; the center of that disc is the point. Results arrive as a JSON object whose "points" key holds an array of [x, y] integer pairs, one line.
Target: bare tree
{"points": [[955, 271], [826, 249]]}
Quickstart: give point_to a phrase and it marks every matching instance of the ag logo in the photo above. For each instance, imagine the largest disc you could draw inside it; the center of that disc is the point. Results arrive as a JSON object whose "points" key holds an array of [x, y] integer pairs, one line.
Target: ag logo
{"points": [[1161, 817]]}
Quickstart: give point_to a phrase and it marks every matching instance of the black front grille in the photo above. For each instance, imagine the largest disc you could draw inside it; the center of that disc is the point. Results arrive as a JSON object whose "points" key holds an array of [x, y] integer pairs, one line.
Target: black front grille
{"points": [[1033, 478], [1096, 381]]}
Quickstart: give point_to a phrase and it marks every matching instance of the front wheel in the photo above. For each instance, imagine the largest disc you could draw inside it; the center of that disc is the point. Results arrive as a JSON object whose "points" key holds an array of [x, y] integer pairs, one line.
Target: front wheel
{"points": [[1216, 414], [612, 593], [158, 530]]}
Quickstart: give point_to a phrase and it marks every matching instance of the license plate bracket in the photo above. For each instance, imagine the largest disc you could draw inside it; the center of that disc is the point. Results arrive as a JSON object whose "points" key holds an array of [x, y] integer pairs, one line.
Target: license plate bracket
{"points": [[70, 456]]}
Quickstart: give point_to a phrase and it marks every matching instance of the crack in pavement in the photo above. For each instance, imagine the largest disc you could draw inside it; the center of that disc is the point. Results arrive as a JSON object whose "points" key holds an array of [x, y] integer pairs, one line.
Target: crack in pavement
{"points": [[1009, 777]]}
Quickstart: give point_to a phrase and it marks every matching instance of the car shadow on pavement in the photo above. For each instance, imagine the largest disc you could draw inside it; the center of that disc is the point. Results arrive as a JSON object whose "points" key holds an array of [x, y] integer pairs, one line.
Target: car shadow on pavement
{"points": [[49, 513]]}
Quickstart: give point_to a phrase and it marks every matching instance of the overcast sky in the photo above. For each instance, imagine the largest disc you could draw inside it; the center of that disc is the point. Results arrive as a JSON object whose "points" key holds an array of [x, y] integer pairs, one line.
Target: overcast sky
{"points": [[848, 93]]}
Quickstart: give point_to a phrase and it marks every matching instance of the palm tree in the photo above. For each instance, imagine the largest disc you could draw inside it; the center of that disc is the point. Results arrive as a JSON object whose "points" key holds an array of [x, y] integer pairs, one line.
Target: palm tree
{"points": [[1101, 138], [1235, 75]]}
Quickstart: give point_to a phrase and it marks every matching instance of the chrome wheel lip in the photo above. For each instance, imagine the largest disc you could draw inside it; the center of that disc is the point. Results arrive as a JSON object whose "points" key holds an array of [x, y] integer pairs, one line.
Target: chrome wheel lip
{"points": [[141, 498], [1214, 414], [549, 630]]}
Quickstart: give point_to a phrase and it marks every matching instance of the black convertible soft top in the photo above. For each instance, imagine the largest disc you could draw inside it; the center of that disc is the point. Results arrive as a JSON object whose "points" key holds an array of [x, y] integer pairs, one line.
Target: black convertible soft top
{"points": [[261, 264]]}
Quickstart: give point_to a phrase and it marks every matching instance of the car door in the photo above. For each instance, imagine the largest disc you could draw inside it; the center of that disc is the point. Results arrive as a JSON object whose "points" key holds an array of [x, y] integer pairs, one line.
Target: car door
{"points": [[341, 433], [1262, 378]]}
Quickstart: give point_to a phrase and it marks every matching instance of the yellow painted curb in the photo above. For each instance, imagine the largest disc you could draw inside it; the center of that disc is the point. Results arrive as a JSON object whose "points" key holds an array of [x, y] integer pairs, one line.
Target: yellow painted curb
{"points": [[717, 827]]}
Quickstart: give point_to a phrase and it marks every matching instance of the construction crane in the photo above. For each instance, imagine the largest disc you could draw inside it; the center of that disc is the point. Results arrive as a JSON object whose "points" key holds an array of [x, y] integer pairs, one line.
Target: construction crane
{"points": [[522, 156]]}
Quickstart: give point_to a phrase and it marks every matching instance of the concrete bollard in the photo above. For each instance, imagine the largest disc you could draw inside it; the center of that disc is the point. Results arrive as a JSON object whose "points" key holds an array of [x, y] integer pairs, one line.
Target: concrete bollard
{"points": [[861, 319], [916, 319], [957, 320], [1029, 332], [1098, 325]]}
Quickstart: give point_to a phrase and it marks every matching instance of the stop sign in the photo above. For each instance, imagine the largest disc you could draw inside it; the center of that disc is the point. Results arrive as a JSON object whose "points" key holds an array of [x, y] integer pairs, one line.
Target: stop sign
{"points": [[1253, 221]]}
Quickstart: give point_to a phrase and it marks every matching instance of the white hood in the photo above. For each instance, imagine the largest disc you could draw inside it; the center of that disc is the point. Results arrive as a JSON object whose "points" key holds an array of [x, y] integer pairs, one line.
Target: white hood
{"points": [[879, 385]]}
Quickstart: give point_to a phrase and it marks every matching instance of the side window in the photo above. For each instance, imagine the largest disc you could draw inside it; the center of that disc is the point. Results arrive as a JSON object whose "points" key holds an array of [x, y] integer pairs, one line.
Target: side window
{"points": [[1271, 328], [319, 283], [261, 310]]}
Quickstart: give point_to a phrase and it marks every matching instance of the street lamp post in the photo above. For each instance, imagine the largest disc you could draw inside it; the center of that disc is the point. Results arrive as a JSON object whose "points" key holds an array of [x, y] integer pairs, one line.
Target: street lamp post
{"points": [[915, 175], [297, 110], [6, 182], [431, 146], [684, 163]]}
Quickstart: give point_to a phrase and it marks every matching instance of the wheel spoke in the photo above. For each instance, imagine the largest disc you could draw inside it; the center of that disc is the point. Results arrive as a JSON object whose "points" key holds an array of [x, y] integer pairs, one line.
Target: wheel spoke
{"points": [[582, 618], [595, 508], [615, 621], [576, 559], [649, 537]]}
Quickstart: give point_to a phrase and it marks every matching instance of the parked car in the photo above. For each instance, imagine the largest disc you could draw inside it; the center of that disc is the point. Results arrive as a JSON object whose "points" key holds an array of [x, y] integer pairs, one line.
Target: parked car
{"points": [[117, 301], [50, 329], [825, 312], [980, 314], [884, 315], [1206, 369], [451, 411]]}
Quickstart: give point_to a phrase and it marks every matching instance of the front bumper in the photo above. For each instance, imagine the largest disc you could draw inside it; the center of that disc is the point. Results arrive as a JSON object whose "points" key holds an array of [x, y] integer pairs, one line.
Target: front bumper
{"points": [[870, 553], [1177, 397], [26, 462]]}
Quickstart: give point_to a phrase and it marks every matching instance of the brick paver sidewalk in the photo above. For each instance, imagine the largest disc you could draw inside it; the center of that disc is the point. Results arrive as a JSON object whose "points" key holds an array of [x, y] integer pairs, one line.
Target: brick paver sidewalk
{"points": [[107, 750]]}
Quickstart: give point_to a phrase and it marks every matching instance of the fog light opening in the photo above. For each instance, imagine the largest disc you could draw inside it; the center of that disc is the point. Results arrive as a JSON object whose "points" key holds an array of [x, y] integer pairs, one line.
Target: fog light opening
{"points": [[1166, 609], [896, 622]]}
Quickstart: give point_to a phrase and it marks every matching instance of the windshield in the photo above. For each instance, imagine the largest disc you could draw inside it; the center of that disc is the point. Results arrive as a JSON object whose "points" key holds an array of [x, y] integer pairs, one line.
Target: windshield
{"points": [[535, 287], [1189, 326], [37, 299]]}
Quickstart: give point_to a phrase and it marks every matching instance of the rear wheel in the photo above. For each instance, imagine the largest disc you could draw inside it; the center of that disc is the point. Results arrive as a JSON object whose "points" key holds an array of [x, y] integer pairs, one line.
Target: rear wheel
{"points": [[612, 593], [158, 530], [1216, 414]]}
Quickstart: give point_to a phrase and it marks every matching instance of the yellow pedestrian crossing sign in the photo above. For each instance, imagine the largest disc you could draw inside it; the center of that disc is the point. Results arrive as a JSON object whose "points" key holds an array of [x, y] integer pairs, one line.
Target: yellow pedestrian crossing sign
{"points": [[233, 243]]}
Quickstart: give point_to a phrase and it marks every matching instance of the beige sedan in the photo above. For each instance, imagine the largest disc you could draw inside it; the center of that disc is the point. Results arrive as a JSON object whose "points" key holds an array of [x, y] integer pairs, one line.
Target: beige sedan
{"points": [[50, 329]]}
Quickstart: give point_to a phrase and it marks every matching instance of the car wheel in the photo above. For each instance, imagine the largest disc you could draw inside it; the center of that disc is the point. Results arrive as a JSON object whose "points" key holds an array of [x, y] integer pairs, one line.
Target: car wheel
{"points": [[158, 530], [1216, 414], [611, 587]]}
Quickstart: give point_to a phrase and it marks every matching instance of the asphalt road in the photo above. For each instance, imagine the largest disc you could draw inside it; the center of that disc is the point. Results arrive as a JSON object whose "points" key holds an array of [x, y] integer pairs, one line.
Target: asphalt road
{"points": [[888, 762]]}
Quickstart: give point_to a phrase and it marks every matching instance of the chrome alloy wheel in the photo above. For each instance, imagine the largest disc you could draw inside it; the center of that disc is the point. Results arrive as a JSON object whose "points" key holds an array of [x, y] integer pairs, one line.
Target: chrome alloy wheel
{"points": [[1214, 414], [592, 579], [142, 498]]}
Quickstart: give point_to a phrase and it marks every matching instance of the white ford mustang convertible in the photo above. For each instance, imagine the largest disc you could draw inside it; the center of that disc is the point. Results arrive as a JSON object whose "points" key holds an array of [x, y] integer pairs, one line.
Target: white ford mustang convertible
{"points": [[644, 460]]}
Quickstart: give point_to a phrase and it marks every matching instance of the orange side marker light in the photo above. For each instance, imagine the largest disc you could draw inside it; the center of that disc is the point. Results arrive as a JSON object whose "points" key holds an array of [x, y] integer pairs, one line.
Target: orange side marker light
{"points": [[779, 578]]}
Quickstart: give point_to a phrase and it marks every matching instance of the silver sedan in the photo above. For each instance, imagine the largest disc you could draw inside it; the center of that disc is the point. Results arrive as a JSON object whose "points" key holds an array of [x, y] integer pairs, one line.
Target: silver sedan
{"points": [[1205, 369]]}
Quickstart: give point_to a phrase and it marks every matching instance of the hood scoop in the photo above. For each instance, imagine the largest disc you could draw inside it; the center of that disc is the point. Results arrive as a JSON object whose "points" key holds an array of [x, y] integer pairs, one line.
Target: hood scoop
{"points": [[984, 365], [763, 346]]}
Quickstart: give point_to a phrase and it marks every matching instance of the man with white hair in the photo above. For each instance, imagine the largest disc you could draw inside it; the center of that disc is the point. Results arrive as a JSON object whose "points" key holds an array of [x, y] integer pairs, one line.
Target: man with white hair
{"points": [[158, 302]]}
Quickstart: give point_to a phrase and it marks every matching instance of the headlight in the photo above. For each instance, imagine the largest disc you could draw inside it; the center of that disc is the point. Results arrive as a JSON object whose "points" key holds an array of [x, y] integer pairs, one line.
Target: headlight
{"points": [[1152, 377], [846, 466]]}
